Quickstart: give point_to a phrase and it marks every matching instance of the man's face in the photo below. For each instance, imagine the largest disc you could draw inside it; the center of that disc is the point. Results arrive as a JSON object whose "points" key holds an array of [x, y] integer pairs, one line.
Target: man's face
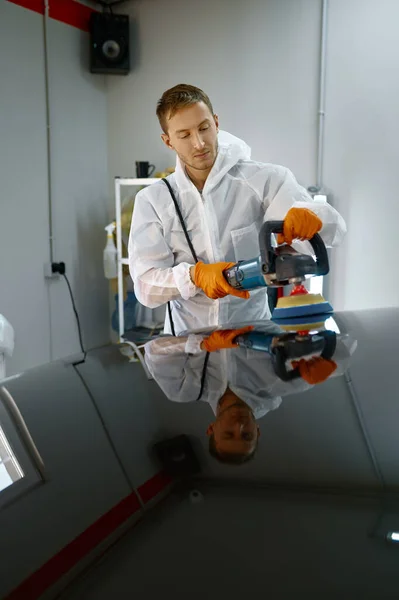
{"points": [[192, 134], [235, 430]]}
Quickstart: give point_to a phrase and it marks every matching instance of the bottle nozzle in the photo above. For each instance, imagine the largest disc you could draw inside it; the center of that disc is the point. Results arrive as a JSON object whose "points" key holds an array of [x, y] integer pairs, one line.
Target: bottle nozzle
{"points": [[110, 229]]}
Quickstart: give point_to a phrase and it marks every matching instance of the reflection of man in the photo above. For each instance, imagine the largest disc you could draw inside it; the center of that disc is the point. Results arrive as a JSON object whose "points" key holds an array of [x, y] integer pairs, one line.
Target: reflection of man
{"points": [[224, 197], [239, 384], [234, 435]]}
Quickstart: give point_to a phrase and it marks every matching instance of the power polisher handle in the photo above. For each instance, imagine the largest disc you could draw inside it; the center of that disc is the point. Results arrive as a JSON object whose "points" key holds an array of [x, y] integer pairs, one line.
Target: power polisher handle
{"points": [[320, 251], [330, 344], [268, 253], [279, 356]]}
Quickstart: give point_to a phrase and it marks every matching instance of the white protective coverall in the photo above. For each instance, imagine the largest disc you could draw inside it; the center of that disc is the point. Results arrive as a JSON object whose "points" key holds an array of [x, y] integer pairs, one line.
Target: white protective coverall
{"points": [[176, 363], [223, 224]]}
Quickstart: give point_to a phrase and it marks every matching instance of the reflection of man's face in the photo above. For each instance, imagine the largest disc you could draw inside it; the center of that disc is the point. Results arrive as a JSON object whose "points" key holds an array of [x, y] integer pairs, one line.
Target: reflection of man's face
{"points": [[192, 133], [235, 430]]}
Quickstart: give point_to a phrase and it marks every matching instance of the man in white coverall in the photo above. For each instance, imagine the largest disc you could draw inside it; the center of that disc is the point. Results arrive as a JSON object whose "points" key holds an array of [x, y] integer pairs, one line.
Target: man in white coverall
{"points": [[224, 197]]}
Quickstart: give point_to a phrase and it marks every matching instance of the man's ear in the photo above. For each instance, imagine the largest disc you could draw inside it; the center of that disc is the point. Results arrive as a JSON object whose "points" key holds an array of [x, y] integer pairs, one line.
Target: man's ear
{"points": [[210, 431], [216, 118], [258, 431], [166, 140]]}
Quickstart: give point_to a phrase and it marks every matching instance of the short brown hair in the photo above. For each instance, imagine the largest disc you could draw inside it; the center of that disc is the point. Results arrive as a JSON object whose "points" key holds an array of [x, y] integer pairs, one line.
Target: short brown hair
{"points": [[231, 459], [177, 97]]}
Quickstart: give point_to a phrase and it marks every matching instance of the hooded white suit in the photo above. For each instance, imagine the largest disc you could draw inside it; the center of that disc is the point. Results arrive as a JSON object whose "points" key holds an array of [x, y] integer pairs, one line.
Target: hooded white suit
{"points": [[223, 224]]}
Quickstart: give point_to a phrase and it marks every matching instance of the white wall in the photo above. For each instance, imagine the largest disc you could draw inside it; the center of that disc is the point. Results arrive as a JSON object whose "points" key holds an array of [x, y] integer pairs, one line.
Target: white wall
{"points": [[240, 53], [78, 114], [362, 149], [259, 63], [41, 311], [24, 296]]}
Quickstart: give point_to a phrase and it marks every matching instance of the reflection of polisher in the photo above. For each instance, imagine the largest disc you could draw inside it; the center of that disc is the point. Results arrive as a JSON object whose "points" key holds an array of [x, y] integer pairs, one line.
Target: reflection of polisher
{"points": [[277, 267], [288, 347]]}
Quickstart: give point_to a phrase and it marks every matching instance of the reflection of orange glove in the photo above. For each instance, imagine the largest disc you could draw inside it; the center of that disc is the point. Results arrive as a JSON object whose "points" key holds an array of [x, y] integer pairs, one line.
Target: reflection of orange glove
{"points": [[221, 340], [211, 280], [315, 370], [299, 223]]}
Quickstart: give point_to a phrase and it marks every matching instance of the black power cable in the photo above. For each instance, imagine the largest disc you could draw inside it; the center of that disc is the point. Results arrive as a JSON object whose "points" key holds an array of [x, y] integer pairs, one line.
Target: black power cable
{"points": [[76, 315], [60, 269]]}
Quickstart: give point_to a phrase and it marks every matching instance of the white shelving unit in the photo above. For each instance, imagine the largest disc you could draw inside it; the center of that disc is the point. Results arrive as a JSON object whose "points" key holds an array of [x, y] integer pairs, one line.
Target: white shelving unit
{"points": [[119, 183]]}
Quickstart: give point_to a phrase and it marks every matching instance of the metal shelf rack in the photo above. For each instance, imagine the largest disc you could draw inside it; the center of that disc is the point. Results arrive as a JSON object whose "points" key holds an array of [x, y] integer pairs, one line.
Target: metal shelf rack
{"points": [[119, 183]]}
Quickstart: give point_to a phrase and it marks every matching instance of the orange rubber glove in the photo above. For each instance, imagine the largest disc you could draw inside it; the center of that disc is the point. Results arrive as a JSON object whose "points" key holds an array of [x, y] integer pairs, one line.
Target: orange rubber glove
{"points": [[211, 280], [299, 223], [221, 340], [315, 370]]}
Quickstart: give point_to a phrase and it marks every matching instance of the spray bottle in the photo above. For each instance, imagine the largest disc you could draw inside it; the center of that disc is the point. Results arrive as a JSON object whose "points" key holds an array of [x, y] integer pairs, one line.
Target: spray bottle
{"points": [[110, 254]]}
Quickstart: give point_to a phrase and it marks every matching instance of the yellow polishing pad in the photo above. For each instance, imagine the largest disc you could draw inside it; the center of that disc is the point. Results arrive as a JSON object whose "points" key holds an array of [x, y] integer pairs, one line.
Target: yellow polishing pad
{"points": [[300, 300], [303, 327]]}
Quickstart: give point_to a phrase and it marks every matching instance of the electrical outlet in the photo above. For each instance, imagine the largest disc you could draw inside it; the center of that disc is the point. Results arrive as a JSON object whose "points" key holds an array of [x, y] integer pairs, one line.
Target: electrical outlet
{"points": [[53, 270], [48, 272]]}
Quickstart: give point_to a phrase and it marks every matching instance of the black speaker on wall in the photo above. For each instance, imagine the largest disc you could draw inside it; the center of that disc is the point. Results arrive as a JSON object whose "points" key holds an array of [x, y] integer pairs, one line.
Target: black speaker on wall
{"points": [[109, 43]]}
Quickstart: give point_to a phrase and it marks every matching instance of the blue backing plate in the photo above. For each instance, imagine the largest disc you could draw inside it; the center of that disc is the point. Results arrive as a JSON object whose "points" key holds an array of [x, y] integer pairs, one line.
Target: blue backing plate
{"points": [[302, 311], [301, 320]]}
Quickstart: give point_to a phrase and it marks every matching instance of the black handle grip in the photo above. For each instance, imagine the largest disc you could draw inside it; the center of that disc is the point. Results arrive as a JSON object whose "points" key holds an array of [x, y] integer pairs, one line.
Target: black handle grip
{"points": [[268, 254], [279, 356], [330, 344], [278, 359], [320, 251], [265, 243]]}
